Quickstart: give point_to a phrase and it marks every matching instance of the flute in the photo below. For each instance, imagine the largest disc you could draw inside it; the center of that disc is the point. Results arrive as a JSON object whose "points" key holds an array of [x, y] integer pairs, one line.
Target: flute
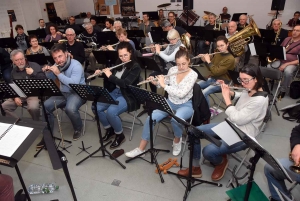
{"points": [[156, 79], [94, 75], [230, 87], [149, 47], [105, 47], [199, 56]]}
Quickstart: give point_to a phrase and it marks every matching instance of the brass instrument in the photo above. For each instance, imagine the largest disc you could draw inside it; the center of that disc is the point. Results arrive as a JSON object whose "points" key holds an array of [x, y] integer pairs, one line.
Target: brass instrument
{"points": [[294, 168], [149, 47], [62, 41], [217, 21], [94, 75], [186, 42], [155, 79], [105, 47], [238, 41], [196, 57], [277, 35]]}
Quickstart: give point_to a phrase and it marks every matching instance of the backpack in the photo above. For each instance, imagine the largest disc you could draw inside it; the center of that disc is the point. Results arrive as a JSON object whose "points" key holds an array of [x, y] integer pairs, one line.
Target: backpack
{"points": [[293, 114], [295, 90]]}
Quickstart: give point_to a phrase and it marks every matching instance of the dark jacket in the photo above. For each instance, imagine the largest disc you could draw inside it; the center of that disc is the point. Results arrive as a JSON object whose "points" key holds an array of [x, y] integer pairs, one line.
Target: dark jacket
{"points": [[130, 77], [5, 61], [37, 72], [200, 106], [77, 50], [295, 137]]}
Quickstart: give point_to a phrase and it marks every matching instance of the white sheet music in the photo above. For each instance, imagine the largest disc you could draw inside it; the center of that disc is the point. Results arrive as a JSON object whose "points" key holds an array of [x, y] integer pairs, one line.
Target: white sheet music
{"points": [[252, 49], [226, 133], [12, 140], [17, 90]]}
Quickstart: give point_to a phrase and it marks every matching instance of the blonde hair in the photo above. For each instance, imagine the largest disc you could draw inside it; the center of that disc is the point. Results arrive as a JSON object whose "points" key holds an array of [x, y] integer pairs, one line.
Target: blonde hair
{"points": [[173, 33], [121, 31]]}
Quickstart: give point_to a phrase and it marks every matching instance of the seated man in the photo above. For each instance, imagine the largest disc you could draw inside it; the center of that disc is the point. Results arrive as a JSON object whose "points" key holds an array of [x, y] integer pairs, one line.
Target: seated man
{"points": [[6, 188], [225, 17], [146, 28], [242, 22], [295, 20], [5, 65], [77, 28], [23, 70], [88, 18], [172, 19], [95, 25], [277, 26], [289, 66], [74, 48], [69, 71], [276, 178], [42, 24], [109, 25], [166, 26]]}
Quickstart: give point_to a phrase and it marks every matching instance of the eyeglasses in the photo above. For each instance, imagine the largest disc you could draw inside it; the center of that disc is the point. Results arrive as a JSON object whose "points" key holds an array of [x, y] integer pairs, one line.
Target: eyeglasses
{"points": [[21, 59], [245, 81], [123, 56], [70, 34], [170, 16], [170, 39]]}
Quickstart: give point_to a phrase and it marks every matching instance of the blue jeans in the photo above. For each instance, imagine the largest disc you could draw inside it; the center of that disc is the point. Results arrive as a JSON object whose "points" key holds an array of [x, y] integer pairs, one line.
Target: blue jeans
{"points": [[183, 111], [288, 74], [277, 179], [71, 102], [111, 118], [211, 152], [207, 88]]}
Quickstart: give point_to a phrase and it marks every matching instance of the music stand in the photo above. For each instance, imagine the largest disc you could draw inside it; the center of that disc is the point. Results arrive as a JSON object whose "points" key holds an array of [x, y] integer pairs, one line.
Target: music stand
{"points": [[149, 64], [106, 57], [8, 43], [219, 33], [40, 88], [193, 134], [159, 37], [47, 45], [37, 58], [198, 34], [260, 152], [96, 94], [156, 29], [236, 16], [152, 101], [50, 60], [40, 33], [135, 33]]}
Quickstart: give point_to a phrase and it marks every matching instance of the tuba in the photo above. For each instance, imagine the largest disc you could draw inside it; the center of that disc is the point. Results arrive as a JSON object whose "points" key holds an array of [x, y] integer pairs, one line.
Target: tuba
{"points": [[240, 39], [186, 42]]}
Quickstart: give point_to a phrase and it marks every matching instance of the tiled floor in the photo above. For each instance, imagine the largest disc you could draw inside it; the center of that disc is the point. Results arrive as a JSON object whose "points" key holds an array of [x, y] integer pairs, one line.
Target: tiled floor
{"points": [[93, 179]]}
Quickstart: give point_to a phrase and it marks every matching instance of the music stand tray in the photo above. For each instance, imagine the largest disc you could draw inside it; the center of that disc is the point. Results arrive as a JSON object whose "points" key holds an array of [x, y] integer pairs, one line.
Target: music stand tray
{"points": [[236, 16], [8, 43], [37, 58], [106, 57], [260, 152], [149, 64], [40, 33], [96, 94], [135, 33]]}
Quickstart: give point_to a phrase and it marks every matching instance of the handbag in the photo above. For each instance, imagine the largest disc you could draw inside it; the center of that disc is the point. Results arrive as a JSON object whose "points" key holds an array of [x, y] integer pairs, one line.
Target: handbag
{"points": [[295, 90]]}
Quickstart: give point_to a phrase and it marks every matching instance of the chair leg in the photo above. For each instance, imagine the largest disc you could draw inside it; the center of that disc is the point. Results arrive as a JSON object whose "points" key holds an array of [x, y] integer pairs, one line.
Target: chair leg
{"points": [[276, 109], [132, 125]]}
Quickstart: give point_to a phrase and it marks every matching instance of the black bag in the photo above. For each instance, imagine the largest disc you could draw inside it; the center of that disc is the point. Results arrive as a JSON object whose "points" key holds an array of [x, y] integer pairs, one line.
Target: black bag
{"points": [[295, 90], [294, 114]]}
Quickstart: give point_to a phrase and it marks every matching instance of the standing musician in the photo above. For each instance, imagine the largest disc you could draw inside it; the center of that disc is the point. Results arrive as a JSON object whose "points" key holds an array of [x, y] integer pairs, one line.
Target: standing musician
{"points": [[180, 91], [172, 19], [166, 26], [23, 70], [282, 33], [225, 17], [218, 67], [247, 114], [54, 36], [116, 82], [167, 57], [122, 36], [76, 27], [277, 178], [294, 21], [75, 49], [146, 27], [289, 66], [242, 22], [68, 71], [35, 47], [109, 25]]}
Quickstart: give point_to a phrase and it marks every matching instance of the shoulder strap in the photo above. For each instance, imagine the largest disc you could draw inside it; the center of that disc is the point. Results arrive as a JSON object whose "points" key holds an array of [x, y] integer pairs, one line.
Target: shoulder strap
{"points": [[260, 93]]}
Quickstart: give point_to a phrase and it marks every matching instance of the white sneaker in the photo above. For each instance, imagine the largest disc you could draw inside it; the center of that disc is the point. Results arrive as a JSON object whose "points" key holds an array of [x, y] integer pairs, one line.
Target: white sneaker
{"points": [[177, 147], [134, 153]]}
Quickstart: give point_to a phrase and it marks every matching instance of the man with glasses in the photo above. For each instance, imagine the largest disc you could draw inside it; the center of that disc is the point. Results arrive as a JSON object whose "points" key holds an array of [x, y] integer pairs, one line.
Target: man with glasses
{"points": [[166, 26], [242, 22], [290, 65], [172, 19], [76, 27], [146, 28], [75, 49]]}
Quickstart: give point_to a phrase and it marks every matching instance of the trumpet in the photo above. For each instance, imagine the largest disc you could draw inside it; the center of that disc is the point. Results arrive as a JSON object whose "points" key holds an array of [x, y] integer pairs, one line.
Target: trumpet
{"points": [[294, 168], [149, 47], [62, 41], [105, 47], [156, 79], [94, 75], [230, 87], [199, 56]]}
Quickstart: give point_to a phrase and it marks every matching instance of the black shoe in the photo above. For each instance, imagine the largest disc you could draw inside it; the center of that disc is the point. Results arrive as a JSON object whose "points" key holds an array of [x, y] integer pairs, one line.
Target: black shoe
{"points": [[109, 134], [281, 95], [120, 138], [76, 135], [41, 144]]}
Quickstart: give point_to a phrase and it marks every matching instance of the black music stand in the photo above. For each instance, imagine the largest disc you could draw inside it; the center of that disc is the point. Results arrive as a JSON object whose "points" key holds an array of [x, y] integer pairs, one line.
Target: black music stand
{"points": [[40, 33], [236, 16], [193, 134], [149, 64], [159, 37], [96, 94], [152, 101], [47, 45], [135, 33], [106, 57], [40, 88], [106, 37], [266, 36], [50, 60], [41, 59], [8, 43], [156, 29], [267, 50], [260, 152]]}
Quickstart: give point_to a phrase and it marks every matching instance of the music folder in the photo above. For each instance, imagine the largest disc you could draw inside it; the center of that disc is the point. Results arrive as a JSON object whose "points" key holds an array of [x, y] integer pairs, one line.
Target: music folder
{"points": [[8, 43], [41, 59]]}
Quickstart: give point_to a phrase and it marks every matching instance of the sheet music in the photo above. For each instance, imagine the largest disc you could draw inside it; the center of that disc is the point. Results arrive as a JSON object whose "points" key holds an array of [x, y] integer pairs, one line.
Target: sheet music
{"points": [[17, 90], [284, 53], [150, 37], [226, 133], [252, 49], [12, 140]]}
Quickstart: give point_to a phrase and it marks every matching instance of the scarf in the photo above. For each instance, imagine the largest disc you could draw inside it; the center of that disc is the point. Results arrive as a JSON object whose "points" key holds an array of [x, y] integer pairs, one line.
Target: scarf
{"points": [[66, 65], [173, 47], [21, 41]]}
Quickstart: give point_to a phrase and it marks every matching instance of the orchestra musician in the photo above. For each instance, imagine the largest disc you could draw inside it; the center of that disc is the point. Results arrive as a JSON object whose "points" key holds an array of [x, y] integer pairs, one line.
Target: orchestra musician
{"points": [[294, 21], [180, 91], [146, 27], [225, 17], [88, 18], [172, 19], [277, 26], [277, 178], [122, 36], [76, 27], [242, 22], [75, 49], [161, 15], [5, 65], [117, 25], [21, 38], [68, 71], [35, 47], [95, 25], [166, 26], [41, 24], [289, 66], [54, 35], [109, 25], [116, 82], [23, 70], [218, 67], [248, 114]]}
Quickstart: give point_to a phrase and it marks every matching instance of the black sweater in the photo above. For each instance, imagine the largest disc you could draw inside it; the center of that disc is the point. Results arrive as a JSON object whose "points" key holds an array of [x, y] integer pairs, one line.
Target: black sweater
{"points": [[295, 137], [77, 50]]}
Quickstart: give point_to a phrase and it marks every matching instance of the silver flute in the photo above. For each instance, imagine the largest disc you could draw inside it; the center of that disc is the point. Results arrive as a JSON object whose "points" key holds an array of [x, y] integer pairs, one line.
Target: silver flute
{"points": [[199, 56], [230, 87], [59, 126]]}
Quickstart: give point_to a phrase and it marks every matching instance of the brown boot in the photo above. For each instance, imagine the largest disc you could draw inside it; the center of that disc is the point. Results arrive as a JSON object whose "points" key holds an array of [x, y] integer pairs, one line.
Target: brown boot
{"points": [[219, 170], [196, 172]]}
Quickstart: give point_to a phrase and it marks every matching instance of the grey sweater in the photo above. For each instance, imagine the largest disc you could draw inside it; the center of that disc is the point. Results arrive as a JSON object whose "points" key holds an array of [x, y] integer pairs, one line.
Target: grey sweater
{"points": [[248, 113]]}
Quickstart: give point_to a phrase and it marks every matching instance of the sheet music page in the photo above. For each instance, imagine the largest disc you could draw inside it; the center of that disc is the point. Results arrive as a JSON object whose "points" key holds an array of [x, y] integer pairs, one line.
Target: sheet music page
{"points": [[17, 90], [226, 133], [284, 53], [11, 141], [150, 37], [252, 49]]}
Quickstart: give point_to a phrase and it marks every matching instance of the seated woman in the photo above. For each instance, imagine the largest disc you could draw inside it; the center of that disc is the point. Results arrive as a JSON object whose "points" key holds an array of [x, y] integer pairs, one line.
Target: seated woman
{"points": [[180, 90], [167, 57], [218, 67], [35, 47], [116, 82], [247, 114], [122, 36], [53, 36]]}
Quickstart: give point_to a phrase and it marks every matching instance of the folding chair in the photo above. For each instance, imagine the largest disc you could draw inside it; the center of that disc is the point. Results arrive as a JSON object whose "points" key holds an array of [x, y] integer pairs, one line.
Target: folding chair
{"points": [[134, 115]]}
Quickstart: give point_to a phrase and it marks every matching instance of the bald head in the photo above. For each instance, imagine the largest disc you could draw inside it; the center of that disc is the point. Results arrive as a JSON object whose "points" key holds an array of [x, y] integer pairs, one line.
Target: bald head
{"points": [[243, 19], [232, 26]]}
